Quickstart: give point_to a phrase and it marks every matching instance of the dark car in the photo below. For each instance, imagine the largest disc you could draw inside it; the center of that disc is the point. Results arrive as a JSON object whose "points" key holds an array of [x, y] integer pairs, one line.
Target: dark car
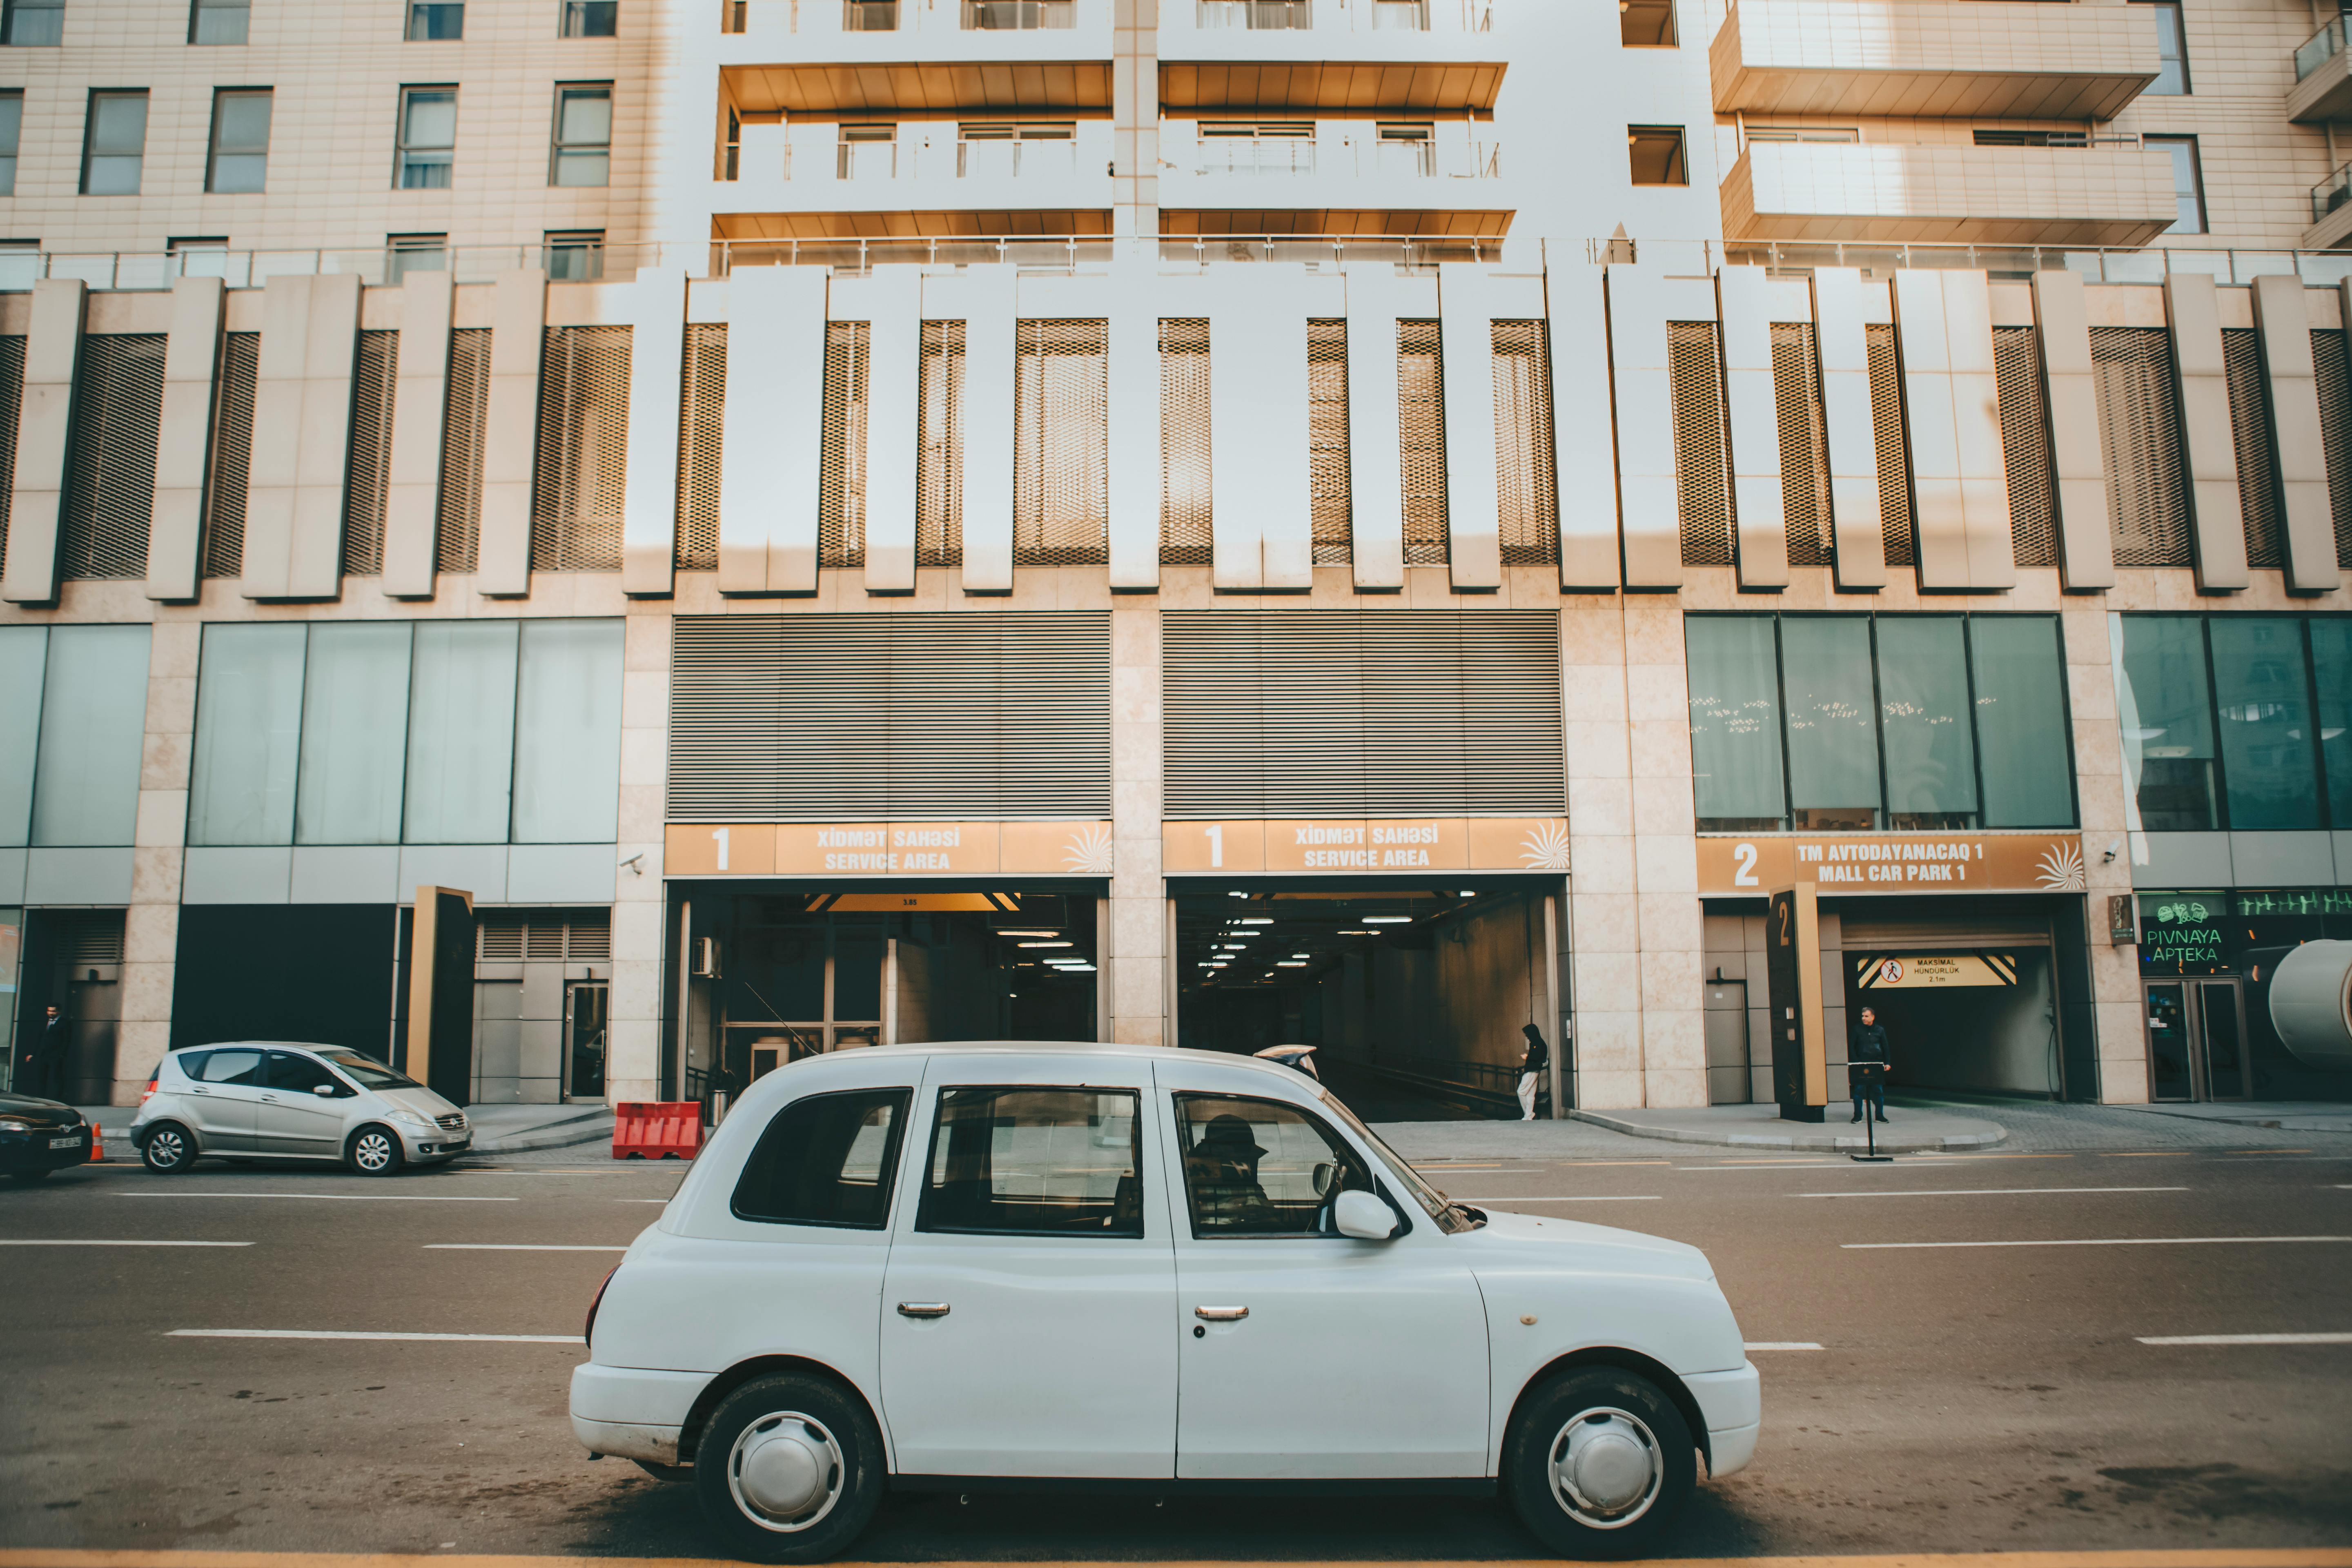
{"points": [[37, 1136]]}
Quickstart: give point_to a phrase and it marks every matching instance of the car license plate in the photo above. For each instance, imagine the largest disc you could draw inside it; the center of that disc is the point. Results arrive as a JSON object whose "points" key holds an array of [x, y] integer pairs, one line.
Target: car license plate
{"points": [[64, 1143]]}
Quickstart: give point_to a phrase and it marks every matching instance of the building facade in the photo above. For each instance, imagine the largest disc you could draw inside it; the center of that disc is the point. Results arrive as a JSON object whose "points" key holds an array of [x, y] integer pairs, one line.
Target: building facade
{"points": [[1368, 522]]}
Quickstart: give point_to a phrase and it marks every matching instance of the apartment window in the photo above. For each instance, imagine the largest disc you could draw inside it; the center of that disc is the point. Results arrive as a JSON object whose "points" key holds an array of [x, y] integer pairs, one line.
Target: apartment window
{"points": [[868, 150], [1998, 137], [199, 256], [114, 143], [33, 22], [732, 167], [1646, 24], [1019, 15], [407, 252], [12, 126], [2171, 49], [1402, 16], [1256, 14], [428, 138], [582, 154], [592, 18], [1657, 154], [1407, 150], [218, 21], [575, 256], [240, 155], [869, 15], [437, 22], [2188, 181]]}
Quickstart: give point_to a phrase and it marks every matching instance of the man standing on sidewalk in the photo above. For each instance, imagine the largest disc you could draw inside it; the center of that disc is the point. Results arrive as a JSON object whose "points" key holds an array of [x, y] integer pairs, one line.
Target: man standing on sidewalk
{"points": [[1867, 1042], [50, 1054]]}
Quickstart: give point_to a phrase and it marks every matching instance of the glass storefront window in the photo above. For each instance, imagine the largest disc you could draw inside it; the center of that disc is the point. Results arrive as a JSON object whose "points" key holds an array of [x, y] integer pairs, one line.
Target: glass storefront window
{"points": [[24, 650], [248, 724], [2165, 706], [461, 733], [354, 730], [1923, 708], [2263, 694], [567, 784], [1833, 743], [1735, 724], [2331, 664], [93, 722], [2021, 705]]}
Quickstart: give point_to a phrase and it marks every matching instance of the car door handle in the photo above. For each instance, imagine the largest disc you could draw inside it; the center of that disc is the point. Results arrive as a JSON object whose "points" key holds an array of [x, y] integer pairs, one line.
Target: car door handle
{"points": [[922, 1309], [1221, 1314]]}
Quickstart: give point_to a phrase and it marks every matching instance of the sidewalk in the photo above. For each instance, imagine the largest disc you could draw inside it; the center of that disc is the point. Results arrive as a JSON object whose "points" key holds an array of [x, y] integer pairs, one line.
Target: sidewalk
{"points": [[1907, 1130], [2285, 1115]]}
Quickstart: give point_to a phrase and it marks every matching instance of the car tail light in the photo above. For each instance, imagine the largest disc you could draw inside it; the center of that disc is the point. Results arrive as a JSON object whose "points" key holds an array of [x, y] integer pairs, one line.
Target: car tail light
{"points": [[588, 1333], [149, 1093]]}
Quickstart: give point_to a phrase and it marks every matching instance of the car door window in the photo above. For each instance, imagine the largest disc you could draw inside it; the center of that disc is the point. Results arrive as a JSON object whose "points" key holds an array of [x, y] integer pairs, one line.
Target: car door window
{"points": [[240, 1067], [1022, 1161], [299, 1075], [826, 1160], [1259, 1167]]}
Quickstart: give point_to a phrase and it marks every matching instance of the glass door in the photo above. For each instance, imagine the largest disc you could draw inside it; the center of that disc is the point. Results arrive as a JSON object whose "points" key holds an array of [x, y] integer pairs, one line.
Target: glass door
{"points": [[2197, 1040], [586, 1012], [2221, 1031], [2169, 1077]]}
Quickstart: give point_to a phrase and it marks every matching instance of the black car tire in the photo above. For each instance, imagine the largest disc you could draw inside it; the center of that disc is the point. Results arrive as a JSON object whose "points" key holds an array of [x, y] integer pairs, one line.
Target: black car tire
{"points": [[813, 1419], [375, 1151], [29, 1178], [167, 1148], [1633, 1421]]}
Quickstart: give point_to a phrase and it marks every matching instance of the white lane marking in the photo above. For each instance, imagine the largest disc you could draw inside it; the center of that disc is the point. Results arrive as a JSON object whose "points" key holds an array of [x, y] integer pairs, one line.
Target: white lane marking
{"points": [[1841, 1163], [354, 1334], [11, 1241], [1586, 1198], [1985, 1192], [335, 1197], [1781, 1345], [641, 1200], [2248, 1340], [512, 1247], [2103, 1241]]}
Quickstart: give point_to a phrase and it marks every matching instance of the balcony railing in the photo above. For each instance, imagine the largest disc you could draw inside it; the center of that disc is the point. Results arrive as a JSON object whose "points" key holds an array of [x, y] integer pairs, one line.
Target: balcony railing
{"points": [[863, 161], [2331, 193], [2319, 268], [1003, 158], [2320, 47], [1407, 160], [1401, 15], [1250, 155], [1019, 15], [1259, 16], [131, 270]]}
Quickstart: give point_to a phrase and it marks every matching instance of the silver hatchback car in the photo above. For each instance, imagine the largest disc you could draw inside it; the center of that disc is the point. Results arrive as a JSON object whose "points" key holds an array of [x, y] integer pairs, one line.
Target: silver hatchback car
{"points": [[273, 1100]]}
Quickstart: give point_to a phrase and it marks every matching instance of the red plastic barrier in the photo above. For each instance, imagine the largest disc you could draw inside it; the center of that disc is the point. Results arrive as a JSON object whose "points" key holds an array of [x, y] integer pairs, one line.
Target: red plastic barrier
{"points": [[656, 1130]]}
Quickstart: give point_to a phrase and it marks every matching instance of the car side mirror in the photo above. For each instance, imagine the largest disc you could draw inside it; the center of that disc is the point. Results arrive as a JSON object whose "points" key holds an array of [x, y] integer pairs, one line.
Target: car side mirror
{"points": [[1363, 1216], [1324, 1175], [324, 1090]]}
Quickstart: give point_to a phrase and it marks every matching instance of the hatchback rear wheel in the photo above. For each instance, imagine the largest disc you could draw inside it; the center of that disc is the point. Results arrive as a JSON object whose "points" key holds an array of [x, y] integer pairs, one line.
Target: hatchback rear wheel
{"points": [[789, 1468], [1599, 1463], [168, 1149], [376, 1151]]}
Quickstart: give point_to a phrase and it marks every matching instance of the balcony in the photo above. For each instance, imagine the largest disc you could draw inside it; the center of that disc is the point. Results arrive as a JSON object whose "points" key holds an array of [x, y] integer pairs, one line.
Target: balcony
{"points": [[1333, 177], [2108, 193], [2322, 75], [1932, 59], [2331, 211], [853, 32], [1370, 56]]}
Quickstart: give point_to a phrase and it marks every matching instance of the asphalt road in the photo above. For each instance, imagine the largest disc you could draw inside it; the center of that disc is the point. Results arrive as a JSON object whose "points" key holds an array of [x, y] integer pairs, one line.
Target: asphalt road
{"points": [[1963, 1396]]}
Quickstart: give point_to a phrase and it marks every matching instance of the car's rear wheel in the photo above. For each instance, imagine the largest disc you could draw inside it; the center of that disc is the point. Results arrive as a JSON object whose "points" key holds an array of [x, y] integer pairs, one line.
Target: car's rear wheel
{"points": [[376, 1151], [169, 1149], [1599, 1463], [789, 1468]]}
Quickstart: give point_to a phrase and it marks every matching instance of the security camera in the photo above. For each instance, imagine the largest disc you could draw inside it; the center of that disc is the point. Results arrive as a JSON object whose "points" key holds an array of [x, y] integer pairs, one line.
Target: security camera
{"points": [[2114, 848], [636, 863]]}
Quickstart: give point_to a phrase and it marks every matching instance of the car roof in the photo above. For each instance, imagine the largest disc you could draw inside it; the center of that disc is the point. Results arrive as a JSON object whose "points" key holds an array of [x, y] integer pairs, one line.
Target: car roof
{"points": [[1073, 1047], [249, 1045]]}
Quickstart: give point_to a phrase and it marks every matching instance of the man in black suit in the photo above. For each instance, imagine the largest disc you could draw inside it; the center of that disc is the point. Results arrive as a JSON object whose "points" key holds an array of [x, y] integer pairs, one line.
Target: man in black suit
{"points": [[1867, 1042]]}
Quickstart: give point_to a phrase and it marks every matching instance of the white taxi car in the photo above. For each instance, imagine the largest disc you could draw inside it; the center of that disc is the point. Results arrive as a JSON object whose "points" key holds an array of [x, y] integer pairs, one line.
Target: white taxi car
{"points": [[961, 1265]]}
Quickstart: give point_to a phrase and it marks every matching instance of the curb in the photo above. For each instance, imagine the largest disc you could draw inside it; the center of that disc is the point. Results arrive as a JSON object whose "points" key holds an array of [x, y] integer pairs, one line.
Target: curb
{"points": [[593, 1127], [1826, 1142]]}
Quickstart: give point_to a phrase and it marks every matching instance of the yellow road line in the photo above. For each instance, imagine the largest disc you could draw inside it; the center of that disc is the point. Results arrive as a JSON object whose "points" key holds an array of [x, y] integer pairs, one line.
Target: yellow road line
{"points": [[2202, 1557]]}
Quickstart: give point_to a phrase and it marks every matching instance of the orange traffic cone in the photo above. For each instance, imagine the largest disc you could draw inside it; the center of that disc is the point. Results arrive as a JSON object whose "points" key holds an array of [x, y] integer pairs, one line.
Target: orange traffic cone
{"points": [[96, 1149]]}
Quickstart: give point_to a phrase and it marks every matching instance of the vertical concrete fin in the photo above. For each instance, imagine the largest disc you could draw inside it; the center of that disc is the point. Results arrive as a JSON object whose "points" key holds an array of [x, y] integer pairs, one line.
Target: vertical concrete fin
{"points": [[2086, 552], [893, 304], [1858, 536], [272, 475], [1259, 503], [511, 431], [2284, 318], [1376, 296], [419, 414], [1934, 440], [1134, 415], [44, 424], [774, 429], [656, 308], [190, 364], [988, 432], [1645, 427], [1976, 428], [1752, 402], [1473, 546], [2216, 514], [1584, 453]]}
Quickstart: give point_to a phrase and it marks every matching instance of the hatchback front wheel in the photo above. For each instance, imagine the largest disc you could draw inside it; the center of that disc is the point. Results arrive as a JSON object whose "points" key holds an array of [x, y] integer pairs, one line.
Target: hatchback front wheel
{"points": [[376, 1151], [1599, 1463], [789, 1468]]}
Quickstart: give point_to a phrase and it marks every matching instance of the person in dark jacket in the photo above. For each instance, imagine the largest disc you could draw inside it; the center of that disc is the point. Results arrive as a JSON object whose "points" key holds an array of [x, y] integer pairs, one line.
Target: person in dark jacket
{"points": [[1867, 1042], [1534, 1069], [51, 1053]]}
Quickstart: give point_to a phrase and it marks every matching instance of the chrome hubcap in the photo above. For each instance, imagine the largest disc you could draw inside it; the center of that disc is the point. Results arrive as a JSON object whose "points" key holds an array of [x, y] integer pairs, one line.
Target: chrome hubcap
{"points": [[373, 1151], [785, 1472], [166, 1148], [1606, 1467]]}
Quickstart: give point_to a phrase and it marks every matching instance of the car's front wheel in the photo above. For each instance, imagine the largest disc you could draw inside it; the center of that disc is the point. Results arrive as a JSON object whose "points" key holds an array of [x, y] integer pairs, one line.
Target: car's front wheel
{"points": [[789, 1468], [376, 1151], [1599, 1463], [168, 1149]]}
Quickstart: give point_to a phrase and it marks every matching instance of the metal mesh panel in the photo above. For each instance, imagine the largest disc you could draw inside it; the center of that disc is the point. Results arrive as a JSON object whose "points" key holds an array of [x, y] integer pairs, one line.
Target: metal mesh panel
{"points": [[1527, 499], [1185, 536], [1060, 444], [1420, 440], [2025, 446], [701, 424], [457, 532], [2139, 433], [2249, 434], [938, 447], [240, 375], [1702, 484], [12, 407], [1329, 480], [1804, 442], [503, 936], [580, 492], [2329, 356], [1894, 455], [841, 493], [111, 472], [374, 376]]}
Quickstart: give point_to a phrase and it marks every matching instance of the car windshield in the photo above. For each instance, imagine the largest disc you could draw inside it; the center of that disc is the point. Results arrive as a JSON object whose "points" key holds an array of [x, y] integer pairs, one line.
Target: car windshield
{"points": [[1428, 1197], [367, 1072]]}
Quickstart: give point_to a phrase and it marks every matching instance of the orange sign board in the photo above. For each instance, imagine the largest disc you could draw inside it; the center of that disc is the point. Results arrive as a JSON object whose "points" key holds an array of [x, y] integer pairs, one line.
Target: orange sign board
{"points": [[1894, 863], [1345, 844], [856, 849]]}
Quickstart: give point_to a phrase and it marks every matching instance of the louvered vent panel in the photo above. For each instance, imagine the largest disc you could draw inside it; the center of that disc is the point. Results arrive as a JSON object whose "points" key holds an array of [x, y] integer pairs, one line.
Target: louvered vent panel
{"points": [[84, 937], [1060, 444], [1185, 539], [2025, 446], [1702, 484], [1894, 454], [1804, 442], [1420, 440], [702, 418], [1330, 501], [1527, 497], [2329, 358], [579, 494], [841, 492], [110, 473], [12, 408], [938, 435], [588, 938], [543, 939], [458, 532], [1302, 714], [240, 374], [498, 937], [831, 718], [2249, 424], [2140, 434], [374, 376]]}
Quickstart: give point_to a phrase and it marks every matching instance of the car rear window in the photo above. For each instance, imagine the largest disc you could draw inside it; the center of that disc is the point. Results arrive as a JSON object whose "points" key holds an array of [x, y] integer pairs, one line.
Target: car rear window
{"points": [[826, 1160], [233, 1066]]}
